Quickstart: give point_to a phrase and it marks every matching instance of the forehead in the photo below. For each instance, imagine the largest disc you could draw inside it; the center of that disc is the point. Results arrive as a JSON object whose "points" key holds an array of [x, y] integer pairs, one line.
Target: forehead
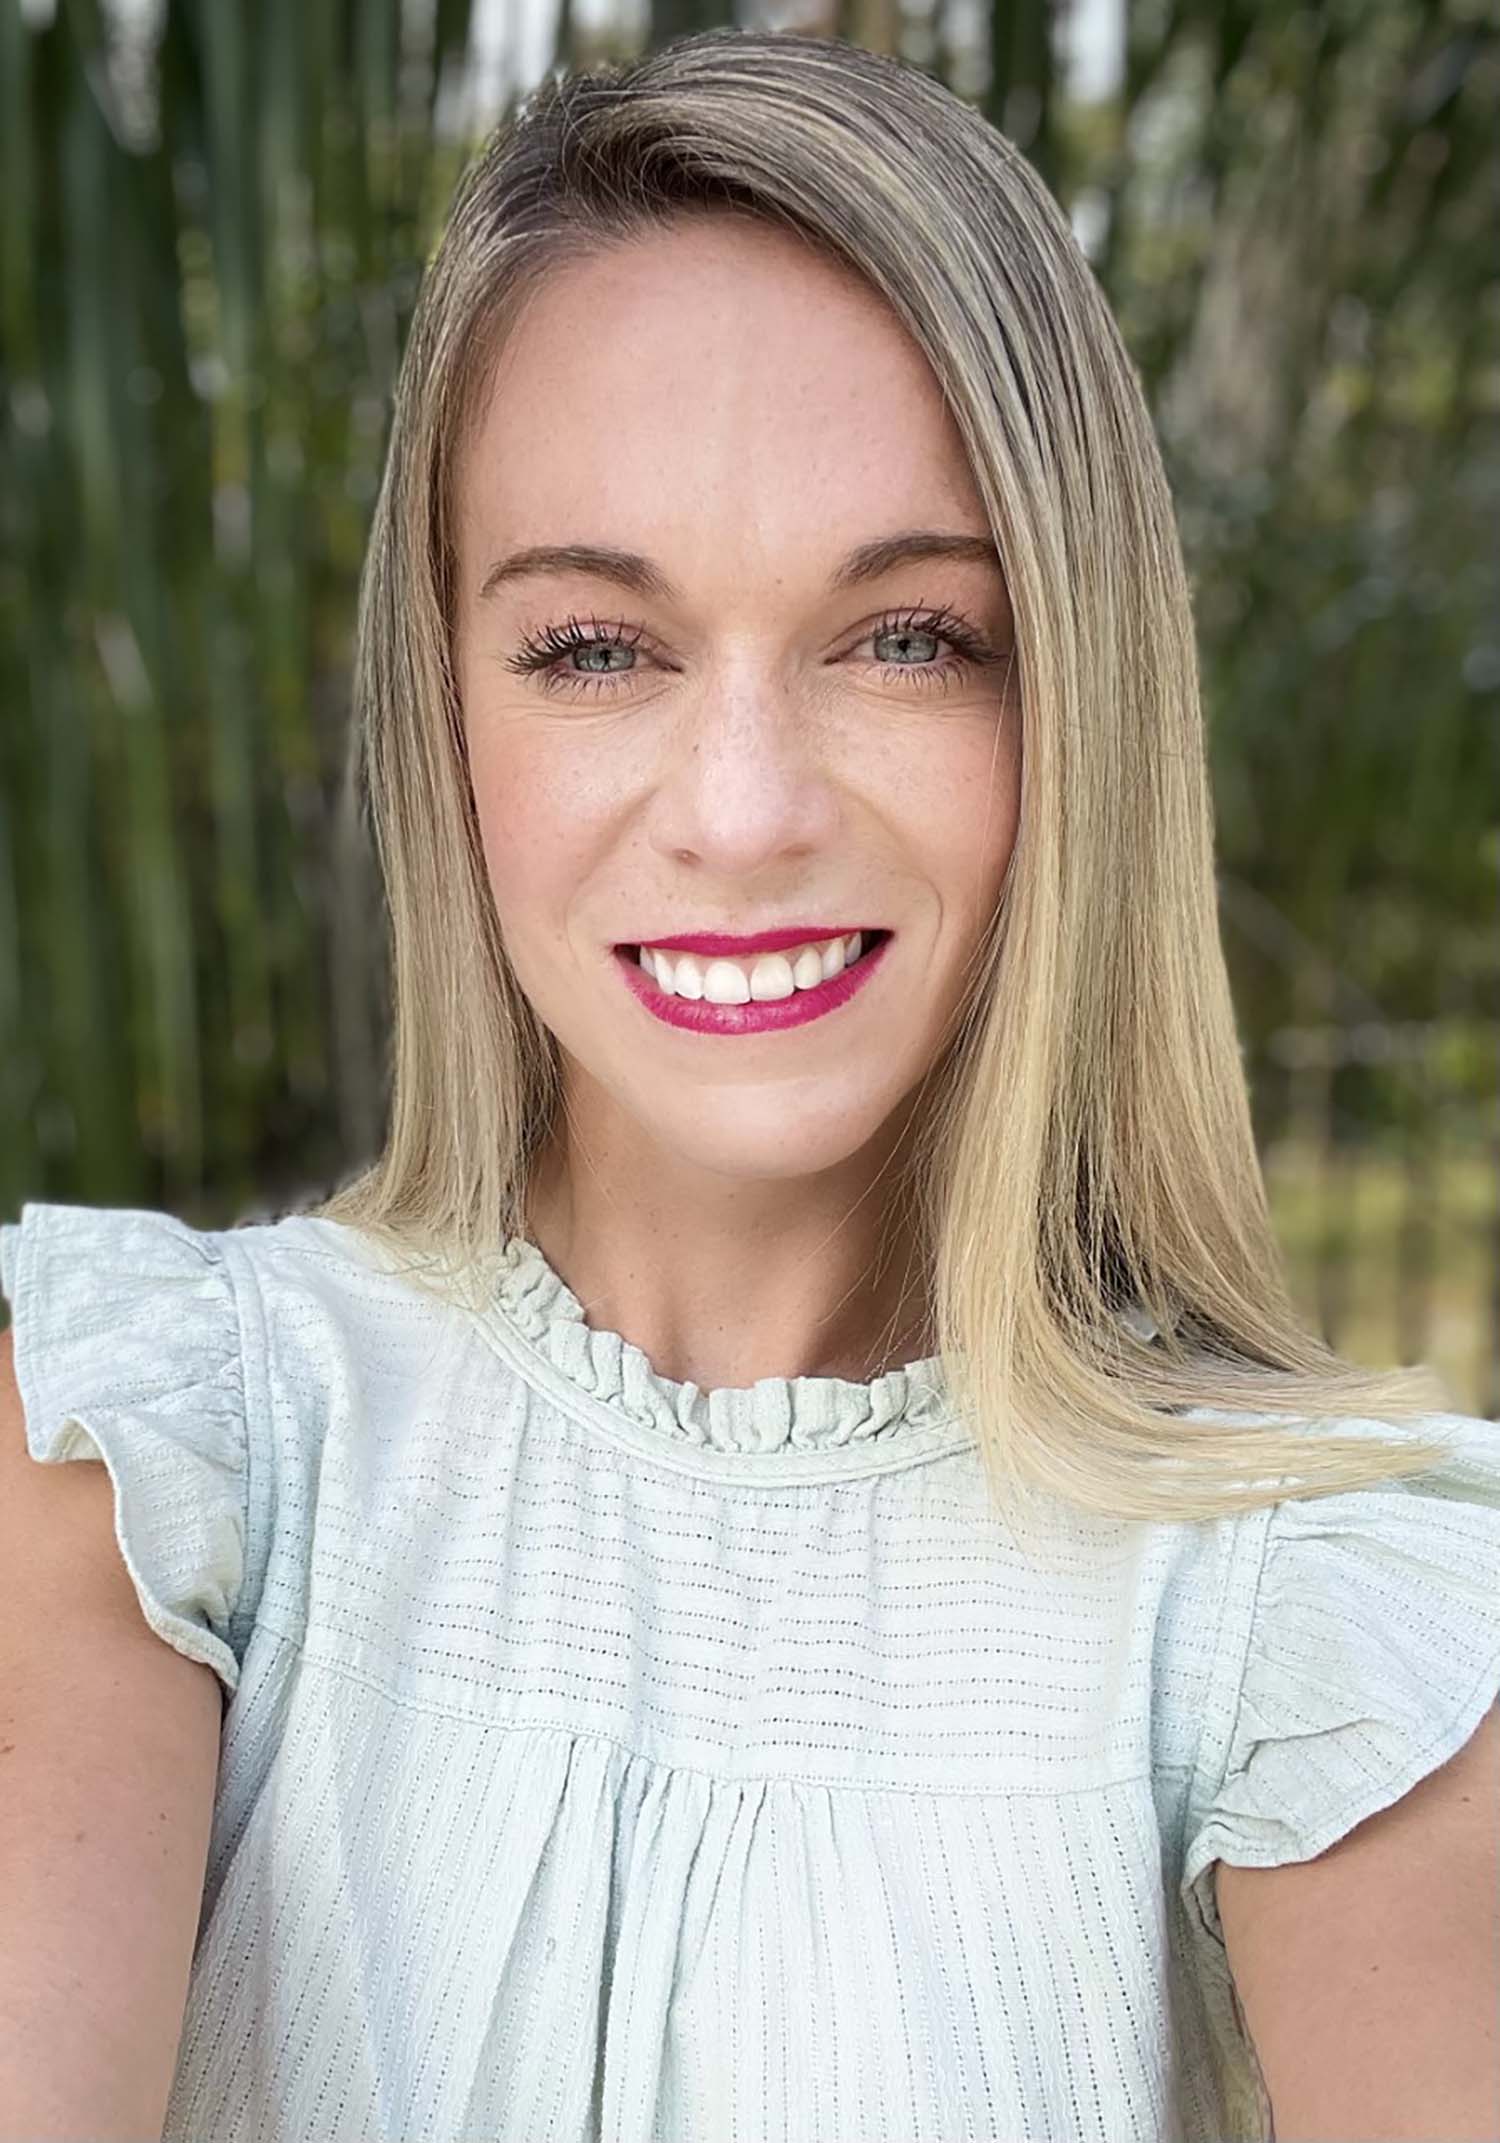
{"points": [[719, 371]]}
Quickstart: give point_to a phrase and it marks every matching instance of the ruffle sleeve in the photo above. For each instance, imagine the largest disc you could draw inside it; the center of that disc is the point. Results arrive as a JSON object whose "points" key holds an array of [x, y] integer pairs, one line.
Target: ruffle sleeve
{"points": [[1358, 1649], [127, 1350]]}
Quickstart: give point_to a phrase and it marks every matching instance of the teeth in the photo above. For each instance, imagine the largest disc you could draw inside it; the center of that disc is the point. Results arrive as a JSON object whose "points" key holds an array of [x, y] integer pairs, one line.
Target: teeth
{"points": [[726, 984], [689, 977], [771, 976]]}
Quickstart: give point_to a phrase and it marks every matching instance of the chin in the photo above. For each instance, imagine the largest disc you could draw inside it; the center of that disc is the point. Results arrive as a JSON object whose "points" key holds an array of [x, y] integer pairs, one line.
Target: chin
{"points": [[762, 1141]]}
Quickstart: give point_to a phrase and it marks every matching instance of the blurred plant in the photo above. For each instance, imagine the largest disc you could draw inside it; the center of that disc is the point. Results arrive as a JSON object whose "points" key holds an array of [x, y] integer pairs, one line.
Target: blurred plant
{"points": [[216, 217]]}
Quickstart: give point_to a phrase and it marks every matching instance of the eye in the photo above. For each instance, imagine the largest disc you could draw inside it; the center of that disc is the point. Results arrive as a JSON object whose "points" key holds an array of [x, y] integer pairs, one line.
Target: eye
{"points": [[936, 625], [545, 654], [542, 654]]}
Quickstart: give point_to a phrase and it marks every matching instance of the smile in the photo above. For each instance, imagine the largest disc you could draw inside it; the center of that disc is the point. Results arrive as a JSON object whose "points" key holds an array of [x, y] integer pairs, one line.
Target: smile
{"points": [[787, 999]]}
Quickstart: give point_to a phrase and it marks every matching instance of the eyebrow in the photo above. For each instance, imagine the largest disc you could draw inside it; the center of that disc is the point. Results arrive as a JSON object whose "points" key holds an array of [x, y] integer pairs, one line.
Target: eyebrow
{"points": [[643, 577]]}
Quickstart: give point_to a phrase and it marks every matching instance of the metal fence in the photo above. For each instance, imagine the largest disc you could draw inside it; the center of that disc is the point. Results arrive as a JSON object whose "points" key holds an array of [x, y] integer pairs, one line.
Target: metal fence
{"points": [[1382, 1161]]}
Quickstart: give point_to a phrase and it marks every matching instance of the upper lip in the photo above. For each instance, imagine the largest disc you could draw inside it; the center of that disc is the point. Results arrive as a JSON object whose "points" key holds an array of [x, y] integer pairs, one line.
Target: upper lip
{"points": [[713, 941]]}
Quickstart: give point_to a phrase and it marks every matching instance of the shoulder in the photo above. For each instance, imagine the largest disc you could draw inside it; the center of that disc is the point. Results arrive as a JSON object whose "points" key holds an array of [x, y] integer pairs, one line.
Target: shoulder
{"points": [[328, 1300], [1356, 1644], [126, 1351], [140, 1294]]}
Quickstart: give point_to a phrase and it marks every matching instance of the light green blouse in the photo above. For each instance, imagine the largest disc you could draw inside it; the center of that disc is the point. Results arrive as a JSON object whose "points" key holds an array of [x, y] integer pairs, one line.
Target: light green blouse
{"points": [[611, 1761]]}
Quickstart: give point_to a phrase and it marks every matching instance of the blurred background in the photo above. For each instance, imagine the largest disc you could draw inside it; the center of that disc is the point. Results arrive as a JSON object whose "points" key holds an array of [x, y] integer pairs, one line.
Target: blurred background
{"points": [[214, 219]]}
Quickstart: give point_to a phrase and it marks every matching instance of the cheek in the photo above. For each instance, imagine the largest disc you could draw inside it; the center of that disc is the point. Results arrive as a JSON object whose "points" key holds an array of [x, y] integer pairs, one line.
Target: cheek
{"points": [[959, 803], [535, 822], [987, 815], [990, 792]]}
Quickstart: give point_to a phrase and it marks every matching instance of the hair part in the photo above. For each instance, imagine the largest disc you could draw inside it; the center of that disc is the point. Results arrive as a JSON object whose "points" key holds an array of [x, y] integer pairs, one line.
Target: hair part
{"points": [[1084, 1143]]}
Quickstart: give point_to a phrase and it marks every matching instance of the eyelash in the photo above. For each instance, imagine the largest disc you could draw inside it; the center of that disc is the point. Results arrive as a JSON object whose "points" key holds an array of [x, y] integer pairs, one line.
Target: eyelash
{"points": [[540, 654]]}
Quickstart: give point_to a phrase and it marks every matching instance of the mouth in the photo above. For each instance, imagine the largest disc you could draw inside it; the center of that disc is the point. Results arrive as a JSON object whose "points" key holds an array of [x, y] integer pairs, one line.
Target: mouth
{"points": [[705, 949], [755, 993]]}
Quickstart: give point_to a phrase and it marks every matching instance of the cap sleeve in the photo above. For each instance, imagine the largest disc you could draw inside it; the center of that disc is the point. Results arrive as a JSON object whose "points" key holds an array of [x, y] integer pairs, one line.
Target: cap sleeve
{"points": [[1358, 1649], [127, 1349]]}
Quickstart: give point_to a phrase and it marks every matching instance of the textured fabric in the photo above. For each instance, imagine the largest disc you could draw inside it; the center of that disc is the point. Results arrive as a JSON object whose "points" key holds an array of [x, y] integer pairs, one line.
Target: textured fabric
{"points": [[608, 1759]]}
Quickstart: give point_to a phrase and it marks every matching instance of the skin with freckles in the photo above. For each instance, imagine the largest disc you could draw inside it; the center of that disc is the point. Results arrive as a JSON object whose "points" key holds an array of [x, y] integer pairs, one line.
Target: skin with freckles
{"points": [[747, 745]]}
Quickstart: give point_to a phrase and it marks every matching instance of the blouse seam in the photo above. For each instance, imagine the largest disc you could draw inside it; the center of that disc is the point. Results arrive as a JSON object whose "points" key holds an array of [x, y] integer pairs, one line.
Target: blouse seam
{"points": [[1231, 1659], [28, 1377], [429, 1708], [739, 1468], [940, 1438], [244, 1290], [294, 1247]]}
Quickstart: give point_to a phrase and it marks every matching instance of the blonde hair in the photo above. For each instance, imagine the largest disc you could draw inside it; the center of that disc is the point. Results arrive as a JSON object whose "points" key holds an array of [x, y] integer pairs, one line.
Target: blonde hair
{"points": [[1087, 1144]]}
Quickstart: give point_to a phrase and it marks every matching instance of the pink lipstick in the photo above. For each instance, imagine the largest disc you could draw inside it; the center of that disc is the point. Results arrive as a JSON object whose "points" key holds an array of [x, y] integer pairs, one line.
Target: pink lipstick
{"points": [[759, 1016], [714, 942]]}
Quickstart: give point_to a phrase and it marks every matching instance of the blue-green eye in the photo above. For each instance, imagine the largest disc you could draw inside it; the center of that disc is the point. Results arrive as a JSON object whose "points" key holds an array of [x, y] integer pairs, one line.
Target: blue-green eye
{"points": [[545, 651], [544, 654], [933, 625]]}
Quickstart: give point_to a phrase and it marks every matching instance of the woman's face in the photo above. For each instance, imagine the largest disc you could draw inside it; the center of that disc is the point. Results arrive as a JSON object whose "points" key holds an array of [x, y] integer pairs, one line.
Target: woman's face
{"points": [[749, 736]]}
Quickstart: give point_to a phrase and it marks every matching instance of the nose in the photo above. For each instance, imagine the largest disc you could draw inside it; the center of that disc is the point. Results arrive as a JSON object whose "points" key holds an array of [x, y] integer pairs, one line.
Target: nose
{"points": [[747, 782]]}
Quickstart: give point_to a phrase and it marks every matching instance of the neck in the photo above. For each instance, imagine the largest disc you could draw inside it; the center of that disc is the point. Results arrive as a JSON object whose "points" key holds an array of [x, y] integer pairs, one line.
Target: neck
{"points": [[751, 1282]]}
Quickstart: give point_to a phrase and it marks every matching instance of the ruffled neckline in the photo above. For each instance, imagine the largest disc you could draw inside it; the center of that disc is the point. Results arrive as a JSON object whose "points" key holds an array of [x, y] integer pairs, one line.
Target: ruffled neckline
{"points": [[819, 1413]]}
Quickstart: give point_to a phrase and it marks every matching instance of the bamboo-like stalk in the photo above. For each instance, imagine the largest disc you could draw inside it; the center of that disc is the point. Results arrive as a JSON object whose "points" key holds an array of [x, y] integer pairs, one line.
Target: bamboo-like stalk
{"points": [[199, 333]]}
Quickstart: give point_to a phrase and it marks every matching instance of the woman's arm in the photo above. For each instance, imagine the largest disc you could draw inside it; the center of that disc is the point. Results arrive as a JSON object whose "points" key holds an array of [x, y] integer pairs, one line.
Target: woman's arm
{"points": [[1370, 1976], [109, 1743]]}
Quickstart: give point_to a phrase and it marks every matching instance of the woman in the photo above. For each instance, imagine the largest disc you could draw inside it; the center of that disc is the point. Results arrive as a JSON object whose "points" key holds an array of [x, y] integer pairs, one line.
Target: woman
{"points": [[819, 1157]]}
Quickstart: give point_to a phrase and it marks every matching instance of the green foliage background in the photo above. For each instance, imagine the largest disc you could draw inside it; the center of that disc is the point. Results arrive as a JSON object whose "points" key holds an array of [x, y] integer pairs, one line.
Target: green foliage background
{"points": [[214, 223]]}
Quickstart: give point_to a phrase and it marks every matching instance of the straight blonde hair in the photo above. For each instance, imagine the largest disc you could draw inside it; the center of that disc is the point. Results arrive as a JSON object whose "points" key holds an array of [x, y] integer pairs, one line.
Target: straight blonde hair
{"points": [[1086, 1147]]}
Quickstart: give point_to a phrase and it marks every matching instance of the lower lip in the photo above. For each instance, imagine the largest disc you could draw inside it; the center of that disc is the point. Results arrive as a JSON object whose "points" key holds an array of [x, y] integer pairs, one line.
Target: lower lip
{"points": [[758, 1016]]}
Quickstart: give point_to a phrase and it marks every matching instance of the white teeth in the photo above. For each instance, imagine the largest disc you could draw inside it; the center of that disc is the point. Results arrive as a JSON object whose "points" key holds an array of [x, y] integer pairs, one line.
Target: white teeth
{"points": [[725, 984], [771, 976]]}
